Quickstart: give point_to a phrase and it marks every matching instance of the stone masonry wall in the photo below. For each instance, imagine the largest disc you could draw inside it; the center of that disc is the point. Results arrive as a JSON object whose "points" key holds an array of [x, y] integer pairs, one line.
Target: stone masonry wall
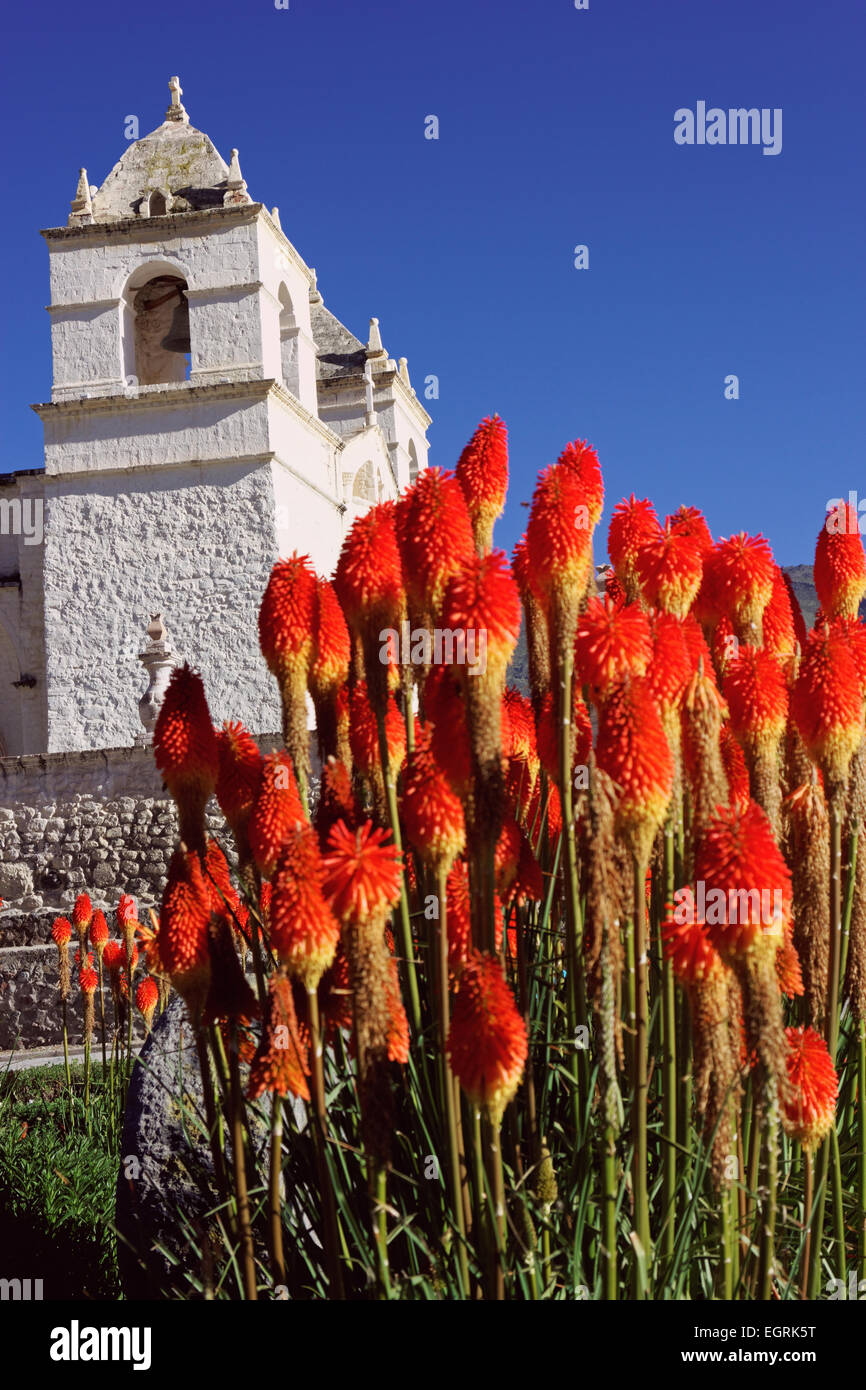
{"points": [[95, 822]]}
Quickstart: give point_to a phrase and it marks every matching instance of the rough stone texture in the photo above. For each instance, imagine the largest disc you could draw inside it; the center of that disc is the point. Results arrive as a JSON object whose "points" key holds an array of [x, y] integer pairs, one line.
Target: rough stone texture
{"points": [[213, 531], [30, 1013], [173, 1182]]}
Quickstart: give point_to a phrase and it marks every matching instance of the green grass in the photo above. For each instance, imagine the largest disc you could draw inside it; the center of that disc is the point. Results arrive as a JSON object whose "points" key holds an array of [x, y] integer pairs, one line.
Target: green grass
{"points": [[57, 1184]]}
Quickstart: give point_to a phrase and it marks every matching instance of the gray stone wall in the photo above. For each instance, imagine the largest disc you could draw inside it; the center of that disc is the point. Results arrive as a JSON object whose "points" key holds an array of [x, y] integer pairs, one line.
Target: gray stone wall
{"points": [[96, 822]]}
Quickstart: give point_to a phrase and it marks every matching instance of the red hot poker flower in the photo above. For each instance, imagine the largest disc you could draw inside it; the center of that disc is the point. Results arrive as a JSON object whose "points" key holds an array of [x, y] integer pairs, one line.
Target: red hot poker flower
{"points": [[482, 602], [82, 914], [669, 569], [304, 930], [840, 563], [739, 573], [612, 642], [432, 813], [582, 460], [362, 873], [811, 1108], [240, 774], [482, 472], [61, 931], [747, 882], [487, 1044], [633, 750], [435, 534], [186, 753], [827, 704], [276, 812], [633, 524]]}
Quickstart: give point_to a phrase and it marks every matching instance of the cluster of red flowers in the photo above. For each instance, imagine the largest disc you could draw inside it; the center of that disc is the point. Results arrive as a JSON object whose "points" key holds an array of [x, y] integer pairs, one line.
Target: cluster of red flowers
{"points": [[690, 681]]}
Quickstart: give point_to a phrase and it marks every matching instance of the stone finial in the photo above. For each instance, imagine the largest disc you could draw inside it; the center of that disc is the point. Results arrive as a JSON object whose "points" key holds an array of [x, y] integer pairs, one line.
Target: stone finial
{"points": [[236, 185], [375, 350], [81, 207], [177, 111], [404, 372], [315, 295], [275, 217], [158, 661]]}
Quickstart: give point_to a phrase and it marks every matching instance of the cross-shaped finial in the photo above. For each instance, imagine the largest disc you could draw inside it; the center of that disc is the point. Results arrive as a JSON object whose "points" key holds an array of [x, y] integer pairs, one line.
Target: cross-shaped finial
{"points": [[176, 111], [176, 91]]}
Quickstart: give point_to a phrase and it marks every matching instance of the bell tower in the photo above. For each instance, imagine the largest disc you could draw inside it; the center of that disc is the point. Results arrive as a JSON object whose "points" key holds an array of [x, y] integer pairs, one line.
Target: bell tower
{"points": [[173, 298], [207, 414]]}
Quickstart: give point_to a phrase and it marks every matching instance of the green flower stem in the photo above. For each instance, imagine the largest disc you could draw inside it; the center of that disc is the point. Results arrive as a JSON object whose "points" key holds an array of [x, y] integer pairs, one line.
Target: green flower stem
{"points": [[669, 1067], [641, 1194], [447, 1089], [405, 924], [320, 1130]]}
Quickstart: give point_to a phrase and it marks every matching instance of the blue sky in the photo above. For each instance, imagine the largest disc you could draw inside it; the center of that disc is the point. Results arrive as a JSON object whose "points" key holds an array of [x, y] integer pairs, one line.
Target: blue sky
{"points": [[555, 129]]}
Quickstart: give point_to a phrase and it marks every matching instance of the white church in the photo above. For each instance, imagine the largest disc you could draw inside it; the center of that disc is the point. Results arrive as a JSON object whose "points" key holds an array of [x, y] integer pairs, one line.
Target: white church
{"points": [[207, 415]]}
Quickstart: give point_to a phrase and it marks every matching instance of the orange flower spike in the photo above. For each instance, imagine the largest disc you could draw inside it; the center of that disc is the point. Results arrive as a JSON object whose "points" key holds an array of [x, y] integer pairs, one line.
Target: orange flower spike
{"points": [[747, 882], [827, 704], [364, 736], [688, 947], [432, 812], [669, 569], [811, 1108], [482, 472], [633, 524], [559, 533], [281, 1064], [369, 577], [240, 774], [276, 812], [780, 634], [82, 914], [757, 697], [61, 931], [362, 873], [331, 646], [146, 999], [840, 563], [740, 572], [852, 632], [183, 929], [304, 930], [482, 601], [286, 638], [186, 751], [286, 618], [690, 522], [633, 750], [436, 537], [459, 918], [88, 978], [611, 643], [582, 461], [487, 1044], [99, 934]]}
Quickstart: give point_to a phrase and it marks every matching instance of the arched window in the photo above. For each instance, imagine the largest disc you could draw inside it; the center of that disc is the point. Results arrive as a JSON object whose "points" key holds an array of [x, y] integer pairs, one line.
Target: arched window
{"points": [[156, 205], [156, 346], [288, 341], [413, 461]]}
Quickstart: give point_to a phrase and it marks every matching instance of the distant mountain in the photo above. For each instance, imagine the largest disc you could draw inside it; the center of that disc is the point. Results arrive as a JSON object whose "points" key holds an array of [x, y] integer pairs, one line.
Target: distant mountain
{"points": [[801, 582]]}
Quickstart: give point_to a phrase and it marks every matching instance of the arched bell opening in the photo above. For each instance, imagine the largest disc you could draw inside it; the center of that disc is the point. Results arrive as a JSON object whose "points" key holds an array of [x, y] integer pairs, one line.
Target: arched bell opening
{"points": [[155, 330]]}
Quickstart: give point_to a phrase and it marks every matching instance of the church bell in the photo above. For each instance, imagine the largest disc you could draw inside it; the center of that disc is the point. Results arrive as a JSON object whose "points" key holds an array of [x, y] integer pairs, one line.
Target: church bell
{"points": [[177, 337]]}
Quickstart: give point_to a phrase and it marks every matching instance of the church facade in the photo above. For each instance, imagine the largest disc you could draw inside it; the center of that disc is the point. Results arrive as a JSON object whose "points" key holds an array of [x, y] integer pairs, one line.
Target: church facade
{"points": [[208, 414]]}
